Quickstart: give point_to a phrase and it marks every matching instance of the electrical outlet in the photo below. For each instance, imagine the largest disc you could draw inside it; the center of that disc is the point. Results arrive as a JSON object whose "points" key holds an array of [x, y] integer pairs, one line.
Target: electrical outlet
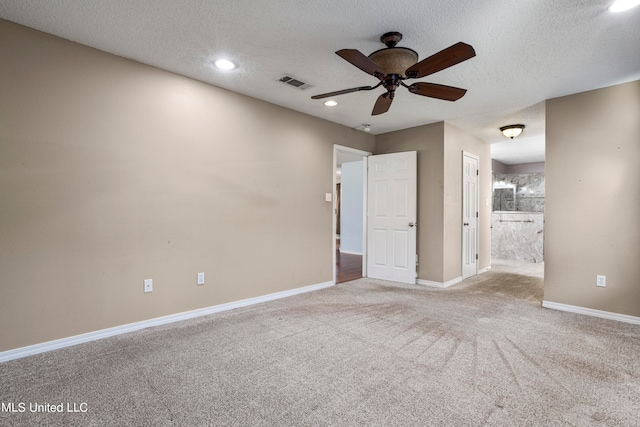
{"points": [[148, 285], [601, 281], [200, 278]]}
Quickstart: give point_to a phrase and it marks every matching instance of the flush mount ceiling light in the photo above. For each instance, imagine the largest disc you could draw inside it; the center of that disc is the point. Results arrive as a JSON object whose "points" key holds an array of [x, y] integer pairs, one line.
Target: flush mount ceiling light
{"points": [[225, 64], [511, 131], [331, 103], [622, 5]]}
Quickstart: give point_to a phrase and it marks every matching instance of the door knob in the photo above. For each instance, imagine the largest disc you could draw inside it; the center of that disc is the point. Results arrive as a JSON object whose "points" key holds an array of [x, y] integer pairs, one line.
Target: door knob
{"points": [[465, 223], [411, 224]]}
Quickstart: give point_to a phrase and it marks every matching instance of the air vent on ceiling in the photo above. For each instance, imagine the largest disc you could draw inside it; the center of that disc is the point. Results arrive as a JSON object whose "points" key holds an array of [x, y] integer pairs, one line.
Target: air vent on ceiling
{"points": [[292, 81]]}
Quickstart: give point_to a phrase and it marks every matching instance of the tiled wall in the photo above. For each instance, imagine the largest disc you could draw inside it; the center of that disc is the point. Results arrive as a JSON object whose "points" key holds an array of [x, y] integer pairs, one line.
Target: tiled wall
{"points": [[517, 236]]}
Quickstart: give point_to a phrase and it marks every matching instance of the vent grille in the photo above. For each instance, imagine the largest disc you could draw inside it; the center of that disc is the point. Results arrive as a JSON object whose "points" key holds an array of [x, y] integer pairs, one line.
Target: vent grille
{"points": [[292, 81]]}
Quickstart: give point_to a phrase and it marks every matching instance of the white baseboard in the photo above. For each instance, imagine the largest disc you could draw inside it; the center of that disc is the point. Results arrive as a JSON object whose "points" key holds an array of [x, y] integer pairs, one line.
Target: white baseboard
{"points": [[450, 282], [342, 251], [18, 353], [591, 312], [439, 284]]}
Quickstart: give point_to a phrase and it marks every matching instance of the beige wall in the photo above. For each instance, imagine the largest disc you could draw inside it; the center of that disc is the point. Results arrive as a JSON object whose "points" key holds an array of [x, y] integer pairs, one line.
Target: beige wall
{"points": [[440, 147], [428, 142], [112, 172], [455, 142], [592, 204]]}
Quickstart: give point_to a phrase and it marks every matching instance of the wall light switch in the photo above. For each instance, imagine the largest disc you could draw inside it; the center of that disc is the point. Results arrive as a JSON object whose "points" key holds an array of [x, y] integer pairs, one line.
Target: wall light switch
{"points": [[328, 197], [601, 281], [148, 285], [200, 278]]}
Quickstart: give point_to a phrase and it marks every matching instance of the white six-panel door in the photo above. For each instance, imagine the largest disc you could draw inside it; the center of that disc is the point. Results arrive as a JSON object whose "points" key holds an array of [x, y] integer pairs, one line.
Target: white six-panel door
{"points": [[392, 216], [469, 215]]}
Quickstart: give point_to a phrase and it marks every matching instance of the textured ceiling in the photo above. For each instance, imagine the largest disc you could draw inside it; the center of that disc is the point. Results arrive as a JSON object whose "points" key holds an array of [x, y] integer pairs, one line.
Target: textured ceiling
{"points": [[527, 51]]}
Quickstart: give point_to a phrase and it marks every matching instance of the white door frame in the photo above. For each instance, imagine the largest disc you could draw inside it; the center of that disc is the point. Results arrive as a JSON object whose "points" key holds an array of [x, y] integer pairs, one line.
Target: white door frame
{"points": [[340, 148], [477, 209]]}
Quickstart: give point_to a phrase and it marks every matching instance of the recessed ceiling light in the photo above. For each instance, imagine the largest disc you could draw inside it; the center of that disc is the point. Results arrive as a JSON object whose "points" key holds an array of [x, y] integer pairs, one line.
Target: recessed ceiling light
{"points": [[331, 103], [225, 64], [621, 5]]}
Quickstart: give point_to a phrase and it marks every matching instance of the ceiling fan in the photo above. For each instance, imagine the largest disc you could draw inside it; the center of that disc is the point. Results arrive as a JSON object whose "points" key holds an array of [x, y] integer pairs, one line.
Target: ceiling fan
{"points": [[393, 65]]}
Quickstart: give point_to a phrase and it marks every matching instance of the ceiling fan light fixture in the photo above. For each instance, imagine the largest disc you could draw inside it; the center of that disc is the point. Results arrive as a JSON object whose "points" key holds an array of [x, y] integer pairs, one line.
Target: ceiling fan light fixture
{"points": [[511, 131], [622, 5], [395, 60], [366, 127]]}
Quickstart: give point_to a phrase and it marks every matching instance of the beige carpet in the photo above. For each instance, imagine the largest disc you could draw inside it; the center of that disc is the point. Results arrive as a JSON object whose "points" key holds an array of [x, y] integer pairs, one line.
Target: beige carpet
{"points": [[483, 353]]}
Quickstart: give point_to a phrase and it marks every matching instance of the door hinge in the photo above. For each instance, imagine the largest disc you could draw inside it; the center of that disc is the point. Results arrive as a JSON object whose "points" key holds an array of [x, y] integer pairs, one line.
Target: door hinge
{"points": [[476, 214], [477, 171], [476, 256]]}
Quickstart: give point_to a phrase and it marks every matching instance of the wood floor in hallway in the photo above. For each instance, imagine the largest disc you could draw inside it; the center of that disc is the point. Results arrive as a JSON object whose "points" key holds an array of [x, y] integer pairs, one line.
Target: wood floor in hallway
{"points": [[348, 266]]}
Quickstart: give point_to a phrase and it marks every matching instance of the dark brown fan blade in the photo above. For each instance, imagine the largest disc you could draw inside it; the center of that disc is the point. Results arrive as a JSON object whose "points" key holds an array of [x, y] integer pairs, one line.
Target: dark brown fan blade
{"points": [[341, 92], [361, 61], [382, 104], [439, 61], [432, 90]]}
